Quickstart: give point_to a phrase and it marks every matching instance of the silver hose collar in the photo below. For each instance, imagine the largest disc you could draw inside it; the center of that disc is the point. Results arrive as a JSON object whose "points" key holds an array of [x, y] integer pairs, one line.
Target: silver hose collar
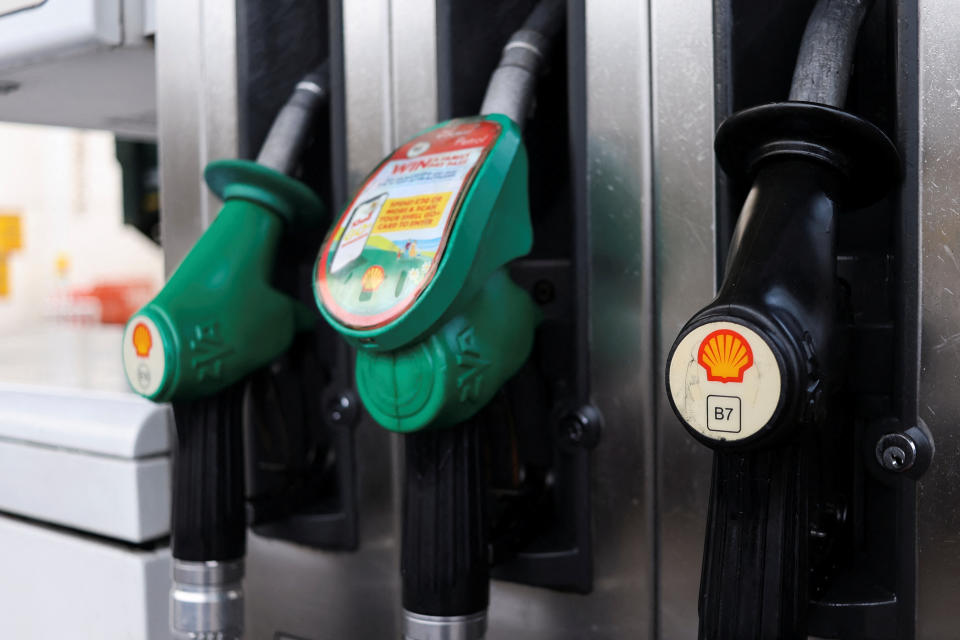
{"points": [[421, 627], [206, 600]]}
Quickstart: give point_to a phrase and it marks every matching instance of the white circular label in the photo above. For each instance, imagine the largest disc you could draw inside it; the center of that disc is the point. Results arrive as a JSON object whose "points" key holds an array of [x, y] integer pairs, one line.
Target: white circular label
{"points": [[144, 361], [418, 149], [725, 381]]}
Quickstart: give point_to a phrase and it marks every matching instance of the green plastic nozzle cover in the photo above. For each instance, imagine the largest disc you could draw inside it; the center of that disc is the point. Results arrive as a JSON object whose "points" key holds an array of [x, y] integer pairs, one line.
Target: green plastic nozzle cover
{"points": [[413, 274], [218, 318]]}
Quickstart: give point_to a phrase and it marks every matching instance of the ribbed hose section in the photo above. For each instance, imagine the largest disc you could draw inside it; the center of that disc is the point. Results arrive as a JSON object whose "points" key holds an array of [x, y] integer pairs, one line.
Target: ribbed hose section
{"points": [[756, 547], [208, 520], [444, 558]]}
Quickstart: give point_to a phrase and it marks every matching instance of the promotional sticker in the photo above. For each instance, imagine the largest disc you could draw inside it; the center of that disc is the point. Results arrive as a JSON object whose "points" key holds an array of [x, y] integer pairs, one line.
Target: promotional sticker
{"points": [[725, 381], [388, 243]]}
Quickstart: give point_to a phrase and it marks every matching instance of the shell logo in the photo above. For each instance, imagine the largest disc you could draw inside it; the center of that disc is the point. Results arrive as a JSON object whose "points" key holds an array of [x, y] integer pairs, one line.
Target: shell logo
{"points": [[726, 355], [142, 341], [372, 278]]}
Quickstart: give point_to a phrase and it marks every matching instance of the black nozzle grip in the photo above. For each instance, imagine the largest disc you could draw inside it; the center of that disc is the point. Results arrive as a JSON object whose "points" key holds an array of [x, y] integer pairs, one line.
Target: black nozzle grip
{"points": [[754, 580], [208, 522], [444, 557]]}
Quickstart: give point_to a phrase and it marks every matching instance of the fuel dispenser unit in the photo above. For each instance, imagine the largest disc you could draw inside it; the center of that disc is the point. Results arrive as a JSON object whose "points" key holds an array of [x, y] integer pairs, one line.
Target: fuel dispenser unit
{"points": [[414, 275], [755, 374], [217, 321]]}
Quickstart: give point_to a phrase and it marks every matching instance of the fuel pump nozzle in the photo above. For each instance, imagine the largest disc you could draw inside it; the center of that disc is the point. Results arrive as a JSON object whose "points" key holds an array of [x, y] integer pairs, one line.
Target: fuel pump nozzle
{"points": [[216, 321], [414, 275], [752, 374]]}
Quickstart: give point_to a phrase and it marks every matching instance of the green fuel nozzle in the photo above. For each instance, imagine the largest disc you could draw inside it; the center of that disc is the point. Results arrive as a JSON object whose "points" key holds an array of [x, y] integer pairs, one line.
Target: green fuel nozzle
{"points": [[414, 271], [218, 318], [216, 321], [413, 274]]}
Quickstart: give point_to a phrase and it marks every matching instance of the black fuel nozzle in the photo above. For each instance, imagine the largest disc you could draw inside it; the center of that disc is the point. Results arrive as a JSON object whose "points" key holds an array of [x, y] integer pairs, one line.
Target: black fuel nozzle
{"points": [[751, 375], [768, 338]]}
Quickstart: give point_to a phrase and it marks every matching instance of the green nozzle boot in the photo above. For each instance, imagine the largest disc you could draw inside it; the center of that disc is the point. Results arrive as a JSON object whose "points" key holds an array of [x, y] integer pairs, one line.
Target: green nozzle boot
{"points": [[217, 318]]}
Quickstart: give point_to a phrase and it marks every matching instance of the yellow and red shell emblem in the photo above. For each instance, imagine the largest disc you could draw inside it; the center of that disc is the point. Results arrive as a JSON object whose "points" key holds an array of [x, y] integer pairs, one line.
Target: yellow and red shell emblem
{"points": [[142, 340], [726, 355], [372, 278]]}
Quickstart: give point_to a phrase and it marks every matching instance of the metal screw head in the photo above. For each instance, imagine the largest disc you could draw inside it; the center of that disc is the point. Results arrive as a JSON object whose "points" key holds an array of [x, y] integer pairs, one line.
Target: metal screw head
{"points": [[896, 452]]}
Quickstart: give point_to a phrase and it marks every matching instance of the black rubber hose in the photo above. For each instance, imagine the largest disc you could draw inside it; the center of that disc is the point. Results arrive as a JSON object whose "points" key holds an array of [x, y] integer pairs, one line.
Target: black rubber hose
{"points": [[292, 127], [825, 61], [547, 18]]}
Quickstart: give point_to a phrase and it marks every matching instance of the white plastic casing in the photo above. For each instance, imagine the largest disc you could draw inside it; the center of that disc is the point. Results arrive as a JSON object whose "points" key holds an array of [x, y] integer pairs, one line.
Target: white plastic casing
{"points": [[56, 585], [88, 460], [79, 63]]}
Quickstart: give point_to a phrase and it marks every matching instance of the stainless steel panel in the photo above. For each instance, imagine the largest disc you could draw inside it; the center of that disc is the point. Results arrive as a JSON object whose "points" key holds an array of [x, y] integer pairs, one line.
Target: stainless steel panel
{"points": [[683, 211], [300, 592], [413, 40], [939, 406], [366, 61], [196, 111], [311, 595], [622, 354], [390, 61]]}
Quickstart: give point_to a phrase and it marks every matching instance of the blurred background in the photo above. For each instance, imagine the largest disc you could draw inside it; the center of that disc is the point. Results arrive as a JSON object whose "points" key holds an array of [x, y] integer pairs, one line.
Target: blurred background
{"points": [[78, 251], [79, 203]]}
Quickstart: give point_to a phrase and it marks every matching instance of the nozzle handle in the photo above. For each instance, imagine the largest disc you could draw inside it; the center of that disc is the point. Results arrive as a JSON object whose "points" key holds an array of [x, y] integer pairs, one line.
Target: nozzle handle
{"points": [[208, 518], [754, 580], [444, 556]]}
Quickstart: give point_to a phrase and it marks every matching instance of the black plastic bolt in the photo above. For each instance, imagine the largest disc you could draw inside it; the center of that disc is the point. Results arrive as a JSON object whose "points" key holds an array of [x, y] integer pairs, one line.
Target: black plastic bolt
{"points": [[581, 427], [341, 408], [544, 291]]}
